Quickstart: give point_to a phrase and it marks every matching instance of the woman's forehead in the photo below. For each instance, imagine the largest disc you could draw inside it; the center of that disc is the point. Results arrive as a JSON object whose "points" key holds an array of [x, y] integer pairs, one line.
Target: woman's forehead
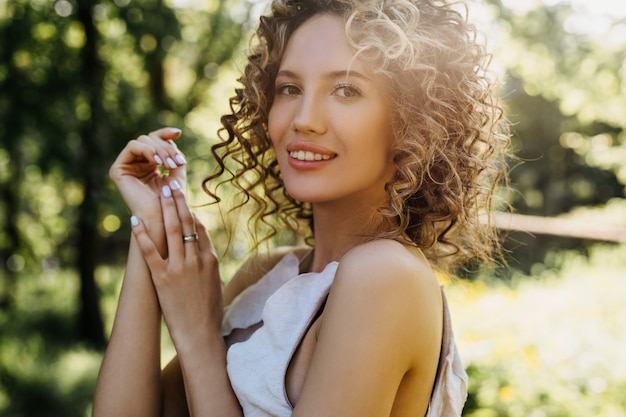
{"points": [[321, 41]]}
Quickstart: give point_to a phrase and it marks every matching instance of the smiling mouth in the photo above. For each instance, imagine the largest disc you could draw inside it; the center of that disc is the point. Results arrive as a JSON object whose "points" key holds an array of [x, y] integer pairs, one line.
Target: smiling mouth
{"points": [[310, 156]]}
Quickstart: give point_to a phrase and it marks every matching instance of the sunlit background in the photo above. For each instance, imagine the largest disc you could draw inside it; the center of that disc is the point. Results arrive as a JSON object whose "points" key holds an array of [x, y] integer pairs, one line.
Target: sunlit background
{"points": [[540, 336]]}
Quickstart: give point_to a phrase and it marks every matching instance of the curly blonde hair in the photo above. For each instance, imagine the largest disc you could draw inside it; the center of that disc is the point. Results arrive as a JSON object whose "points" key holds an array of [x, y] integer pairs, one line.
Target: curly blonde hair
{"points": [[450, 145]]}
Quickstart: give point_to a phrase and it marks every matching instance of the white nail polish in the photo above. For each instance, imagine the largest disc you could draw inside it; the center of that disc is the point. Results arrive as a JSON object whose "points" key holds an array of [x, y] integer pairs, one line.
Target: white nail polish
{"points": [[174, 185], [171, 163], [158, 160], [167, 192], [180, 159], [134, 221]]}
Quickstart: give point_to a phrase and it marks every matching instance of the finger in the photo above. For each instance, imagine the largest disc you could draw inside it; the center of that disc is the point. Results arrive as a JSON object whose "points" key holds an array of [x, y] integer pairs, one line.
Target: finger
{"points": [[173, 227], [165, 137], [137, 150], [182, 207], [164, 153], [204, 239], [136, 157], [167, 133], [207, 253], [169, 156], [146, 245], [180, 176], [186, 218]]}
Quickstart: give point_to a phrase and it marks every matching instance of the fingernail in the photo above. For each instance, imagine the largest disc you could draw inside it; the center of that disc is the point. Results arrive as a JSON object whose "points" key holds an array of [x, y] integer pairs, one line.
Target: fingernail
{"points": [[134, 221], [167, 192], [174, 185], [175, 130], [158, 160], [180, 159], [171, 163]]}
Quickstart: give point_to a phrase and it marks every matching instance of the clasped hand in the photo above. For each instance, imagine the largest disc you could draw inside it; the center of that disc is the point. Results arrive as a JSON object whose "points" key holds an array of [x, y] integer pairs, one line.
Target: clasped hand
{"points": [[150, 174]]}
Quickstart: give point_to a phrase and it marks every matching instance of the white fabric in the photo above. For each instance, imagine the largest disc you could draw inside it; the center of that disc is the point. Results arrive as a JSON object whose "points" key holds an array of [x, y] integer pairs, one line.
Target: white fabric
{"points": [[450, 390], [284, 303]]}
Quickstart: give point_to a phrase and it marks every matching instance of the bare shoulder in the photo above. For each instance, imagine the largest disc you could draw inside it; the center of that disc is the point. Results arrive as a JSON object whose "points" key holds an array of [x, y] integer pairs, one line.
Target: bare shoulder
{"points": [[396, 283], [387, 262], [255, 267]]}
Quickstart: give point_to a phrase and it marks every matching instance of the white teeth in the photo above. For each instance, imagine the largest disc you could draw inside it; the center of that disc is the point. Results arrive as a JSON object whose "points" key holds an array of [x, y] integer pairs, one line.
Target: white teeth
{"points": [[308, 156]]}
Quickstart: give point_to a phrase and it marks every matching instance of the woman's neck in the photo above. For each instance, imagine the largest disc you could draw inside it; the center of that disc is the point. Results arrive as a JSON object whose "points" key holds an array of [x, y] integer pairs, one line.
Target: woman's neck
{"points": [[339, 229]]}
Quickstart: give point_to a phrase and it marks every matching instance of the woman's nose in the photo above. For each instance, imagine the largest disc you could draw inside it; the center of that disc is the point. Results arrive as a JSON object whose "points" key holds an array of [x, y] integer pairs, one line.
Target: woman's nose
{"points": [[310, 116]]}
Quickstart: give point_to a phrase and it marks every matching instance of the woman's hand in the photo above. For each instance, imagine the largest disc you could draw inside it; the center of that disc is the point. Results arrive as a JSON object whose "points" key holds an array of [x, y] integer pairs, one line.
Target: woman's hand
{"points": [[187, 280], [136, 171]]}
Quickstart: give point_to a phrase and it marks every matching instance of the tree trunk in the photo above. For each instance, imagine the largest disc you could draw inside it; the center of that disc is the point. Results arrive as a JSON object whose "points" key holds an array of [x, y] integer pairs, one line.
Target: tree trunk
{"points": [[91, 328]]}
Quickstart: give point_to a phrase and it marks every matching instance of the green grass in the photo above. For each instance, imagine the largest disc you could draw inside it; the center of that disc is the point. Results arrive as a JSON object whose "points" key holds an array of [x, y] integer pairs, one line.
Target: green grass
{"points": [[550, 345]]}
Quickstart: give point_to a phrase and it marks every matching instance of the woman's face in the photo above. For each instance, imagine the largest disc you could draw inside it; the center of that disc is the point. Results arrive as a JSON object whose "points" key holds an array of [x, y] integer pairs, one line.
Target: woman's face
{"points": [[330, 122]]}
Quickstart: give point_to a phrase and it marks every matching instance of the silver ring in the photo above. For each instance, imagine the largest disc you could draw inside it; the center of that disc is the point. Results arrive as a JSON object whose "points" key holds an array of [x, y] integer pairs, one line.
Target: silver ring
{"points": [[191, 237]]}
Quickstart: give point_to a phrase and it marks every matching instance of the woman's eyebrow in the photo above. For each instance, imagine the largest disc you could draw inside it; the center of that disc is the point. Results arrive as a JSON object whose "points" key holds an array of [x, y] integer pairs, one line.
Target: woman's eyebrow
{"points": [[286, 73]]}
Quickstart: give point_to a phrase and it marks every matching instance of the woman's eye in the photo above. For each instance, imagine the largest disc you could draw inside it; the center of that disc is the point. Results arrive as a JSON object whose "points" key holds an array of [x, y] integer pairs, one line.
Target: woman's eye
{"points": [[347, 91], [288, 90]]}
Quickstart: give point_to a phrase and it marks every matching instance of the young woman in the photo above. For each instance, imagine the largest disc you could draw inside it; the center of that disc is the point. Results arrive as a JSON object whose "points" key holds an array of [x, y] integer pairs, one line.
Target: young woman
{"points": [[367, 126]]}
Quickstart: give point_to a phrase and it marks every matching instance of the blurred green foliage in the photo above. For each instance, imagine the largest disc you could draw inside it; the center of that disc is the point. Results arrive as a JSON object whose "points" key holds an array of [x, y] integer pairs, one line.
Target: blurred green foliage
{"points": [[564, 90], [80, 78], [548, 346], [43, 370]]}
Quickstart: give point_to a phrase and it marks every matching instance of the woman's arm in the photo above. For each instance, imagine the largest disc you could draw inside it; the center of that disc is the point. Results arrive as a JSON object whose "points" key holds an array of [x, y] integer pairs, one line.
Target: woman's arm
{"points": [[129, 379]]}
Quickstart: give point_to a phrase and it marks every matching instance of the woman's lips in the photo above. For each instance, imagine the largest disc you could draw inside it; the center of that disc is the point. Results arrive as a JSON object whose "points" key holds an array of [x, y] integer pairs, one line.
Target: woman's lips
{"points": [[307, 155]]}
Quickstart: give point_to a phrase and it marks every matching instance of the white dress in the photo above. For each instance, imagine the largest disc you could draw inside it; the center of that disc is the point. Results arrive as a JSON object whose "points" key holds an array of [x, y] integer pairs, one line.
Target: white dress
{"points": [[277, 311]]}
